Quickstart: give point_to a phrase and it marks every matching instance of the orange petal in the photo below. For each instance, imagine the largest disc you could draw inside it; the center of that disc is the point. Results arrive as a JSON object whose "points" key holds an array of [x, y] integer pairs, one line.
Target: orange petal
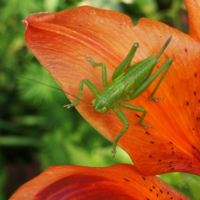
{"points": [[60, 41], [116, 182], [193, 7]]}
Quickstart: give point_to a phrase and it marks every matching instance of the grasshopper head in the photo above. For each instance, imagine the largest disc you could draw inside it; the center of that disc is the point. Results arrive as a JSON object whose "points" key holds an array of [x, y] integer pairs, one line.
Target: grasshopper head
{"points": [[101, 105]]}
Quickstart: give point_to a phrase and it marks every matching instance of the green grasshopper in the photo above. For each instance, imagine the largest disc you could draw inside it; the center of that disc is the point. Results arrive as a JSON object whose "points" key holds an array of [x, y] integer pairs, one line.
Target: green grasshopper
{"points": [[126, 86]]}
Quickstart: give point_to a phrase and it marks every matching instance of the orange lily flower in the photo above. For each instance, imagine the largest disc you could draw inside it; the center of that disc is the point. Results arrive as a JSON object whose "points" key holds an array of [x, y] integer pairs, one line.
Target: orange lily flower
{"points": [[60, 41], [120, 181]]}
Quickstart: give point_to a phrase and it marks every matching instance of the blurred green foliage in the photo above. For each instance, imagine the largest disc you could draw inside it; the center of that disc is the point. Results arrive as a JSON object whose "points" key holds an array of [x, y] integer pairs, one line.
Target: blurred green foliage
{"points": [[35, 131]]}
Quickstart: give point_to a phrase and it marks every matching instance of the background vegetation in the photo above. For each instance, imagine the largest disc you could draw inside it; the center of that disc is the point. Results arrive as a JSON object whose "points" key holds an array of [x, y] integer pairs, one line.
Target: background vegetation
{"points": [[35, 130]]}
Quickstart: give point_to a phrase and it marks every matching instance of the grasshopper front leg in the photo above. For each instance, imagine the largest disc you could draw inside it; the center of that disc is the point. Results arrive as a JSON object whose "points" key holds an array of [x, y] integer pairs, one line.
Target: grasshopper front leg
{"points": [[135, 108], [123, 118], [104, 71], [93, 89]]}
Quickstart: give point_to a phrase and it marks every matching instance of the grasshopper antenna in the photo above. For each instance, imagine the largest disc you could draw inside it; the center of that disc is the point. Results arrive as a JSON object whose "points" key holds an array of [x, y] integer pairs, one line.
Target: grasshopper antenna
{"points": [[163, 48], [29, 79]]}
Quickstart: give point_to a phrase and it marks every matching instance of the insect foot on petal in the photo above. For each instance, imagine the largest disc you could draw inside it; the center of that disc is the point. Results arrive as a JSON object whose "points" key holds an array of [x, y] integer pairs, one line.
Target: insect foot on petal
{"points": [[68, 106], [114, 151], [156, 99], [146, 126], [89, 59]]}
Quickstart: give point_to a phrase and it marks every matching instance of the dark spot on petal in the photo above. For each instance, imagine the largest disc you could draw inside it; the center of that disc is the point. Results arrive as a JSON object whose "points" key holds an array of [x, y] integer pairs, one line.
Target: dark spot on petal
{"points": [[152, 142], [172, 168], [193, 129], [157, 195], [195, 74], [154, 187], [137, 115], [144, 178], [187, 103], [160, 160], [171, 162], [171, 197], [199, 101], [150, 156], [172, 148], [186, 50], [195, 93], [171, 143], [151, 190], [181, 158], [194, 148], [147, 133], [167, 192], [161, 191], [126, 180]]}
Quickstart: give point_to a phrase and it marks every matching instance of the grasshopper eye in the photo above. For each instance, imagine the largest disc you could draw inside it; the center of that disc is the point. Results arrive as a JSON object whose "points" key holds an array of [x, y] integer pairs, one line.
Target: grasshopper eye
{"points": [[104, 109]]}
